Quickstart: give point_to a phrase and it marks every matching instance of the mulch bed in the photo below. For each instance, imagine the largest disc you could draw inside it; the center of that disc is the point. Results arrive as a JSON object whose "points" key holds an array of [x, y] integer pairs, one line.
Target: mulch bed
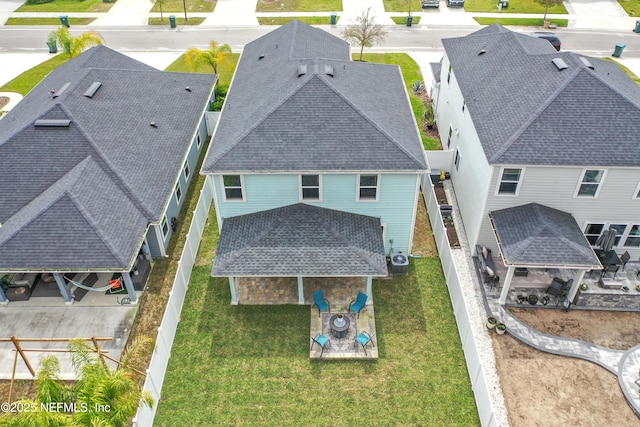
{"points": [[4, 100], [441, 196]]}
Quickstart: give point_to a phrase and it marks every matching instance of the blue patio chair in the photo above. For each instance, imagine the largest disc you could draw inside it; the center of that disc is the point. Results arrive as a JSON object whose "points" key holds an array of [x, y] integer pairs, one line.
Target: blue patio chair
{"points": [[363, 339], [359, 303], [321, 302], [321, 340]]}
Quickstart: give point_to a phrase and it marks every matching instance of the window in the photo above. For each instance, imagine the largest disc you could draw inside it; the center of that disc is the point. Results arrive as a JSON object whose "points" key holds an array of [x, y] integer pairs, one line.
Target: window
{"points": [[633, 238], [368, 187], [310, 187], [198, 140], [620, 229], [449, 138], [178, 192], [636, 194], [592, 232], [590, 183], [165, 227], [509, 181], [449, 74], [456, 162], [186, 170], [233, 187]]}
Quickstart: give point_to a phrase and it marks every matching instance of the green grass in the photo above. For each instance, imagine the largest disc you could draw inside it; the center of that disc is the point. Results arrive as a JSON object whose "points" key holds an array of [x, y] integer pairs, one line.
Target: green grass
{"points": [[30, 78], [311, 20], [521, 22], [410, 73], [225, 70], [627, 71], [402, 20], [250, 365], [300, 6], [402, 5], [179, 21], [47, 21], [515, 6], [176, 6], [67, 6], [632, 7]]}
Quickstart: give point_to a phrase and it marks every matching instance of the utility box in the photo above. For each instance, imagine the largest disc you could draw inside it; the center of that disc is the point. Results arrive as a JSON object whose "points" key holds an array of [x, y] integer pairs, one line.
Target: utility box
{"points": [[618, 50], [399, 264], [505, 4], [172, 21]]}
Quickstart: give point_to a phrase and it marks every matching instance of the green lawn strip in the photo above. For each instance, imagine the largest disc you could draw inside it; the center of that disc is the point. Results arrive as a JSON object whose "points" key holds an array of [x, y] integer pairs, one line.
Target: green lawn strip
{"points": [[47, 21], [521, 22], [176, 6], [30, 78], [515, 6], [311, 20], [299, 6], [66, 6], [627, 71], [251, 363], [411, 74], [225, 70], [403, 20], [632, 7], [179, 21], [402, 6]]}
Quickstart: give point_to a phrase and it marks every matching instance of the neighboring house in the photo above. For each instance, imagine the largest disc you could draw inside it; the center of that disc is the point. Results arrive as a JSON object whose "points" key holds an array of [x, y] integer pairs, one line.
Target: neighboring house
{"points": [[316, 162], [533, 133], [96, 161]]}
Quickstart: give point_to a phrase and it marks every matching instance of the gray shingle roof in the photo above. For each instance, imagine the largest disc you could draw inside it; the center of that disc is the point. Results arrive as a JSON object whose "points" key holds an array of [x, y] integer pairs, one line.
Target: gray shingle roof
{"points": [[139, 163], [527, 111], [300, 240], [297, 102], [534, 234]]}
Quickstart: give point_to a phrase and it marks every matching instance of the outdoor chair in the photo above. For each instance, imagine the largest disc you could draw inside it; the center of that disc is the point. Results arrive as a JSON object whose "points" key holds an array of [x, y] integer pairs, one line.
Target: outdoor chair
{"points": [[321, 340], [610, 269], [359, 303], [363, 339], [321, 302], [625, 257]]}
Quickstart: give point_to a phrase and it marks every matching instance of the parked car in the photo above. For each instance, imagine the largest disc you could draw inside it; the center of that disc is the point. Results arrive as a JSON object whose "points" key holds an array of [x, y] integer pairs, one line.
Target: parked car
{"points": [[430, 3], [549, 36], [455, 3]]}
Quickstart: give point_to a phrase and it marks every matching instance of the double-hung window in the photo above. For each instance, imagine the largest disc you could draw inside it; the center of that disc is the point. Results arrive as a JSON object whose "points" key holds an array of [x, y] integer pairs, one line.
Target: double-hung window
{"points": [[310, 188], [510, 181], [187, 171], [590, 183], [178, 192], [233, 187], [165, 227], [368, 187], [633, 238]]}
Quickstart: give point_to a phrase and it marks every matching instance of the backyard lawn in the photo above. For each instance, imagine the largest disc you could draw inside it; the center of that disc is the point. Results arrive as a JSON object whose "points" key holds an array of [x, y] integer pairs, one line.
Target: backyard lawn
{"points": [[515, 6]]}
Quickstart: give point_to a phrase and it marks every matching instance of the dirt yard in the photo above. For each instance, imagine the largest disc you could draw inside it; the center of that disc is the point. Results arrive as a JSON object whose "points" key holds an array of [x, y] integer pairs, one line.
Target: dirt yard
{"points": [[542, 389]]}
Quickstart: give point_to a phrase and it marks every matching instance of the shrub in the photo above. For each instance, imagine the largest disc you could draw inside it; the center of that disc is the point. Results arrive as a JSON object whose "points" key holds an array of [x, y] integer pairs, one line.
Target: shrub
{"points": [[38, 1]]}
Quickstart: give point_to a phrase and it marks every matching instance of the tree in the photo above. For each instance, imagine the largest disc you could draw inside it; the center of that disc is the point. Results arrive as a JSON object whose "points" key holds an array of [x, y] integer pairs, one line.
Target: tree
{"points": [[546, 4], [365, 32], [160, 3], [213, 56], [75, 45]]}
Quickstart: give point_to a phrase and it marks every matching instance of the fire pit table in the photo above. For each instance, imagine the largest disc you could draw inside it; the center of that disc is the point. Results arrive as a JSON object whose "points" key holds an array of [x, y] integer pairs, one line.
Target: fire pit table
{"points": [[339, 325]]}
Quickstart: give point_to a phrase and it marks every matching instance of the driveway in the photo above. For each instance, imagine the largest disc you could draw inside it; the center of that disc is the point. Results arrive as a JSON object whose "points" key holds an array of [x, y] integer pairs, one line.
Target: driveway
{"points": [[599, 14]]}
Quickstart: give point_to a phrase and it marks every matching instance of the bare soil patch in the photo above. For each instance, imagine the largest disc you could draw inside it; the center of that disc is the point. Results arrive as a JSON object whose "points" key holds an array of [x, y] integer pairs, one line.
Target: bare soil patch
{"points": [[4, 100], [543, 389]]}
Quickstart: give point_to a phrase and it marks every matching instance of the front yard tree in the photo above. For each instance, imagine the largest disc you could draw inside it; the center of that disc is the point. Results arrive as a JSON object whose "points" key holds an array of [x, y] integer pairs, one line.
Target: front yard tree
{"points": [[546, 4], [213, 56], [365, 32], [160, 3], [75, 45]]}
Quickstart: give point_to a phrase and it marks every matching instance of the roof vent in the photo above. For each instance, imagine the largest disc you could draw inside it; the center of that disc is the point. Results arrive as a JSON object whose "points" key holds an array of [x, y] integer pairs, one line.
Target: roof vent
{"points": [[328, 70], [559, 63], [482, 52], [260, 57], [52, 123], [188, 89], [92, 89], [153, 125], [60, 91], [586, 62], [302, 70]]}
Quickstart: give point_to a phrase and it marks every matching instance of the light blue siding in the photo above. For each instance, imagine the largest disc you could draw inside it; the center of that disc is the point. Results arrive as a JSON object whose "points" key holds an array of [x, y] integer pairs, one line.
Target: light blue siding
{"points": [[395, 206]]}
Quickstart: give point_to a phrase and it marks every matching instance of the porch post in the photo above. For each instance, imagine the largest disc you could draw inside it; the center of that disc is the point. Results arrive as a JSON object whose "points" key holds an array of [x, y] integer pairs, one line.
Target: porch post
{"points": [[507, 285], [3, 298], [300, 291], [232, 287], [369, 291], [64, 290], [131, 290], [574, 287]]}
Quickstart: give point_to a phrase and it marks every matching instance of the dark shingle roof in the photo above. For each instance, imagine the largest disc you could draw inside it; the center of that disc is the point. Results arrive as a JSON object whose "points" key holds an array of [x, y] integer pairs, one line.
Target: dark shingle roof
{"points": [[138, 162], [534, 234], [527, 111], [300, 240], [297, 102]]}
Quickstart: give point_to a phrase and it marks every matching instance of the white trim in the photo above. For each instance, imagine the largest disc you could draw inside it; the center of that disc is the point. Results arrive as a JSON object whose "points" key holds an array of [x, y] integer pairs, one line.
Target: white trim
{"points": [[300, 290], [300, 197], [216, 205], [636, 193], [242, 188], [416, 198], [384, 231], [581, 181], [499, 181], [378, 179], [158, 230], [625, 236], [178, 190]]}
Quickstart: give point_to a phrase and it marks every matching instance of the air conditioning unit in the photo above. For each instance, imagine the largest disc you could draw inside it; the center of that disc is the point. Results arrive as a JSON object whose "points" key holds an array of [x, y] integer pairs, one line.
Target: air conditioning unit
{"points": [[399, 263]]}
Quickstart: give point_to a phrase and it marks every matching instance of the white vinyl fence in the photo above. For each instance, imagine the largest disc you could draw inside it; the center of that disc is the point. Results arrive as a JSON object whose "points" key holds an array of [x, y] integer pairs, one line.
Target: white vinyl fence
{"points": [[167, 329], [479, 382]]}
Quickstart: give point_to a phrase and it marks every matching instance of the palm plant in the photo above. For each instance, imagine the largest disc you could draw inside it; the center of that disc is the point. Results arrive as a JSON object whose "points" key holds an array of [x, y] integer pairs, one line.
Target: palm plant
{"points": [[213, 56], [75, 45]]}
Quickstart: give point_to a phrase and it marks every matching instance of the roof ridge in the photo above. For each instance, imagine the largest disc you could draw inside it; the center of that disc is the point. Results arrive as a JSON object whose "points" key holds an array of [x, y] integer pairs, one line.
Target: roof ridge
{"points": [[368, 119], [609, 85]]}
